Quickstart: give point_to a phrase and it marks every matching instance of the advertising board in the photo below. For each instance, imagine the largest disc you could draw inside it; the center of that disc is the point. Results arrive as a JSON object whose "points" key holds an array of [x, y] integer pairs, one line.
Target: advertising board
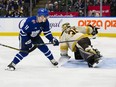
{"points": [[106, 24]]}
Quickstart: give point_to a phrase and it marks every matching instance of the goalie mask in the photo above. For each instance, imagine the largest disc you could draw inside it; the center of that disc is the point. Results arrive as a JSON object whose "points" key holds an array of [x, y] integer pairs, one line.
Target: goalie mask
{"points": [[65, 26]]}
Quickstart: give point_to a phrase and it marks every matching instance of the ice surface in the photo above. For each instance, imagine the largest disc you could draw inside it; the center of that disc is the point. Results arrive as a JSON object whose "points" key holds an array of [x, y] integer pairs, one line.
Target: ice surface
{"points": [[36, 71]]}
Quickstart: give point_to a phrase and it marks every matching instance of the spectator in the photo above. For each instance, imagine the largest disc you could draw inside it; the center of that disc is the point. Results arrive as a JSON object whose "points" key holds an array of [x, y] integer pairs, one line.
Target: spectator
{"points": [[94, 14], [113, 7], [20, 8], [49, 5], [63, 7], [26, 7], [79, 5], [56, 6], [105, 2], [97, 3]]}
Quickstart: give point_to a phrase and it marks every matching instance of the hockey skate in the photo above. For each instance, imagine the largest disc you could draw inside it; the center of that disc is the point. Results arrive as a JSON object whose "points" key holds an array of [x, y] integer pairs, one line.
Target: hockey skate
{"points": [[54, 62], [97, 61], [93, 61], [65, 55], [10, 67]]}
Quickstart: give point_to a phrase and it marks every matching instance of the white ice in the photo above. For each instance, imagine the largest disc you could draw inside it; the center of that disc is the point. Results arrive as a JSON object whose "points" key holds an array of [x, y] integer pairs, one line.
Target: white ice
{"points": [[36, 71]]}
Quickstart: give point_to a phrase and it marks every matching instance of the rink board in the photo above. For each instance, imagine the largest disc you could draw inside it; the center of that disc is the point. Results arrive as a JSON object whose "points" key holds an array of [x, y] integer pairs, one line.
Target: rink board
{"points": [[10, 26], [56, 34]]}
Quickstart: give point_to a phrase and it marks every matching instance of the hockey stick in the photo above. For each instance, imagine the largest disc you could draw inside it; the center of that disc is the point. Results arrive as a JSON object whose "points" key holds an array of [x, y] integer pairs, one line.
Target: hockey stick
{"points": [[52, 43], [93, 37], [12, 48], [35, 45], [32, 48]]}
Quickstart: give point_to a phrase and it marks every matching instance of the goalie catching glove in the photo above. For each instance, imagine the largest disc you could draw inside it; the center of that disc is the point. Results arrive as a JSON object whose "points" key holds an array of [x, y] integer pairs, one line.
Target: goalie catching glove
{"points": [[55, 42], [95, 30]]}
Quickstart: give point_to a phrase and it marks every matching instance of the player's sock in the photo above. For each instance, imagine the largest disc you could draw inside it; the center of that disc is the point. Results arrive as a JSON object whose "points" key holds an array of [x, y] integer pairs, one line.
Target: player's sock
{"points": [[48, 54]]}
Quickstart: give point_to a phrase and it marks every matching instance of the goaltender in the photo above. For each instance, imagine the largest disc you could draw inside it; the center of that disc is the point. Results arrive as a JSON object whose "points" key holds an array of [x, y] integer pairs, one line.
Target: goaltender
{"points": [[82, 47]]}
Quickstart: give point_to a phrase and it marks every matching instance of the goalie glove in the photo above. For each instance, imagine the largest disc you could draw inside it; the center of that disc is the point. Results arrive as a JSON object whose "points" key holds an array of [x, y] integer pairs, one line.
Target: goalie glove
{"points": [[94, 30], [55, 42]]}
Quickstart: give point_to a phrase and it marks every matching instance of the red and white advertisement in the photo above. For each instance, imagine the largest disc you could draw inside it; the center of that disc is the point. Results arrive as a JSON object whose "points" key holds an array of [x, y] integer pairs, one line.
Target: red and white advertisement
{"points": [[105, 10], [63, 14]]}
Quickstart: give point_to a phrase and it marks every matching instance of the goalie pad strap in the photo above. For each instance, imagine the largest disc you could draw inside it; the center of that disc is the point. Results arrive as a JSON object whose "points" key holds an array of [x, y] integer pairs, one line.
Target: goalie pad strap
{"points": [[84, 42]]}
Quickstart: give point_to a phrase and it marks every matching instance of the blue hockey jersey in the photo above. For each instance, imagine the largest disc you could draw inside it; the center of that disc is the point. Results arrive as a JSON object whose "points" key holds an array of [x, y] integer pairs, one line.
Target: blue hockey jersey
{"points": [[33, 28]]}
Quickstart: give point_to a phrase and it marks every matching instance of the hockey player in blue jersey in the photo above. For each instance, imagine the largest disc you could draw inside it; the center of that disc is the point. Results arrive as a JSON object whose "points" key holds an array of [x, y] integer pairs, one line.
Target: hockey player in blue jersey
{"points": [[30, 35]]}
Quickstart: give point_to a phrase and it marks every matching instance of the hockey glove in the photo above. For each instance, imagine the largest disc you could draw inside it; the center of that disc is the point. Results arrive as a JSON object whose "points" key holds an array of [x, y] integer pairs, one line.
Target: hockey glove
{"points": [[55, 42]]}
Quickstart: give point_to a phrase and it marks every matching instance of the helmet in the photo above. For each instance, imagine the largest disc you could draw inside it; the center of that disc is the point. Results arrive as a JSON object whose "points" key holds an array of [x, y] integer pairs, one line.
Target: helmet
{"points": [[65, 26], [43, 11]]}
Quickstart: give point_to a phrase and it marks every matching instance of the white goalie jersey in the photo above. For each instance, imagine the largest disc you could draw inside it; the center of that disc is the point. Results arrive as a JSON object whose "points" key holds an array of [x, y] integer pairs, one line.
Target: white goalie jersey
{"points": [[72, 33]]}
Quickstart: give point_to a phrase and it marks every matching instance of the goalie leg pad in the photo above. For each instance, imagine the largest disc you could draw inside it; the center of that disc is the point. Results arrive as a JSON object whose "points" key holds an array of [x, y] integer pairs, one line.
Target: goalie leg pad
{"points": [[84, 54], [91, 58], [94, 59], [77, 54]]}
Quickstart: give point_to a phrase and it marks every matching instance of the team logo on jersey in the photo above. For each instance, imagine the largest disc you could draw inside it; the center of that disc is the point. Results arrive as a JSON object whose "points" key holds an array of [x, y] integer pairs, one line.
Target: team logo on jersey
{"points": [[35, 33], [42, 10], [33, 21], [28, 42]]}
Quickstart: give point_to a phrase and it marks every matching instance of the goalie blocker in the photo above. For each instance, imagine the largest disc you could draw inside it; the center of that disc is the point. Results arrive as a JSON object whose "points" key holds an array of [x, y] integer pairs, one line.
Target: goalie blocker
{"points": [[84, 50]]}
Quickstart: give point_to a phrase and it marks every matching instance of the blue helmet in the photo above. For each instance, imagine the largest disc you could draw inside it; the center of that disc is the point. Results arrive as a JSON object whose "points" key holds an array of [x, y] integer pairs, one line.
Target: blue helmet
{"points": [[43, 11]]}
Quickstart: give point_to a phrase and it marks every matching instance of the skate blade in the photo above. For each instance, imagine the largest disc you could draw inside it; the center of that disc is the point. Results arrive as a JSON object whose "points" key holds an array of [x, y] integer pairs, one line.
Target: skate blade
{"points": [[9, 69], [54, 66]]}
